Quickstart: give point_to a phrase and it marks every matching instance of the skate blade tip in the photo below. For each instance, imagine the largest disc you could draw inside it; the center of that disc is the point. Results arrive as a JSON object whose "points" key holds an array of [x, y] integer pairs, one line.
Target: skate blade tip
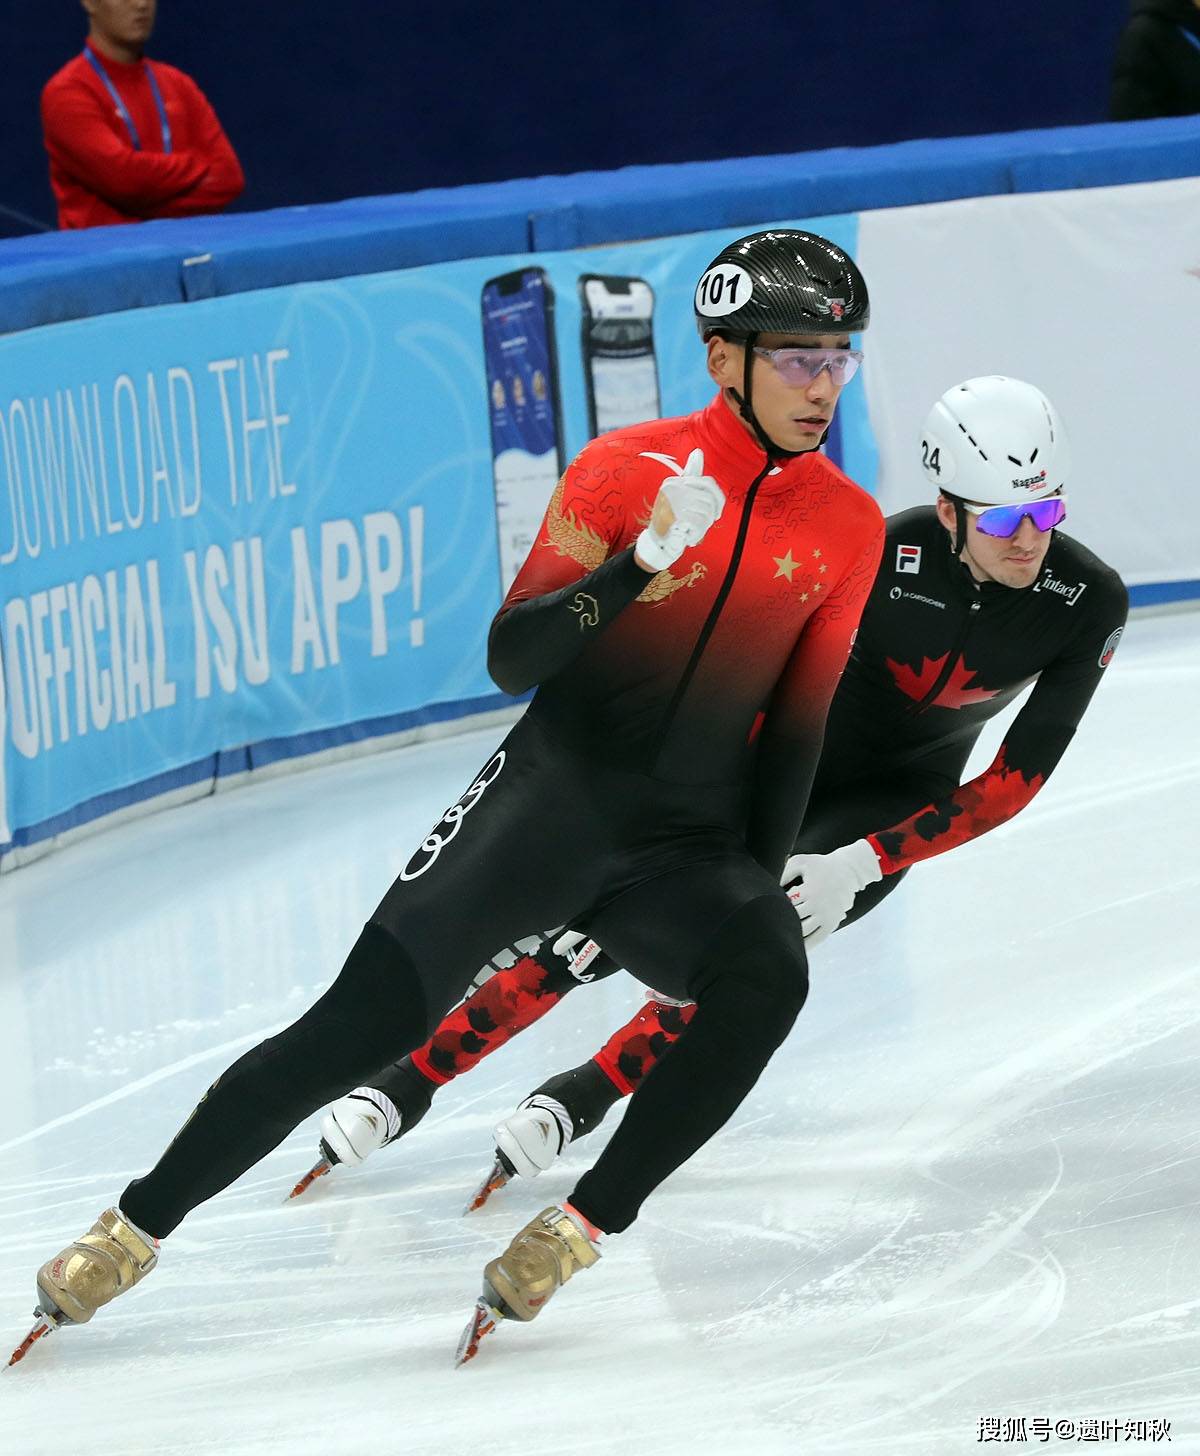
{"points": [[484, 1319], [305, 1183], [43, 1327], [495, 1180]]}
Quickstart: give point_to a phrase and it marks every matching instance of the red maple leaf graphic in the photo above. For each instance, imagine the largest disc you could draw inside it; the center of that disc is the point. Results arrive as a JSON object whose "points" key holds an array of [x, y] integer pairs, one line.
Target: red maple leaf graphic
{"points": [[954, 692]]}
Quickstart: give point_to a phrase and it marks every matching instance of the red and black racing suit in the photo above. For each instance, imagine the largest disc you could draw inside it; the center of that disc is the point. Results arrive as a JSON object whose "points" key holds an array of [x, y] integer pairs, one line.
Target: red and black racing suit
{"points": [[634, 797], [937, 655]]}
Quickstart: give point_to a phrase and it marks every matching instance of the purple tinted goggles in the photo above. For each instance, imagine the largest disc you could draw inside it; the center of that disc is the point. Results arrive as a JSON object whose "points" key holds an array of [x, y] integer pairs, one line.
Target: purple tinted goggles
{"points": [[1006, 520], [802, 366]]}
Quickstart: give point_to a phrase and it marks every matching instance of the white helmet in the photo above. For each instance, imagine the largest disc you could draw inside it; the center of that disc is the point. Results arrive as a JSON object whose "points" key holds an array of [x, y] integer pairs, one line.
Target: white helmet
{"points": [[997, 441]]}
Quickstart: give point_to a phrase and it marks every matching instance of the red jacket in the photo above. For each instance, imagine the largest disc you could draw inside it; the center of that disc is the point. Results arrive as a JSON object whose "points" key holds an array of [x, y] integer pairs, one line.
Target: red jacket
{"points": [[720, 669], [97, 173]]}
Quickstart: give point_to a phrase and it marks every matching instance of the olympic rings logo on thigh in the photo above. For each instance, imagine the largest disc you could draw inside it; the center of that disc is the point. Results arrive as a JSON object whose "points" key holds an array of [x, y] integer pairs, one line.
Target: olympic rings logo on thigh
{"points": [[450, 823]]}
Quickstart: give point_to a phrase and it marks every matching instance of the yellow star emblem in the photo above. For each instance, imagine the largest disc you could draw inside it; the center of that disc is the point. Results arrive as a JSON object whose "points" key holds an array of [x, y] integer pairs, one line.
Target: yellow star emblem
{"points": [[786, 565], [816, 555]]}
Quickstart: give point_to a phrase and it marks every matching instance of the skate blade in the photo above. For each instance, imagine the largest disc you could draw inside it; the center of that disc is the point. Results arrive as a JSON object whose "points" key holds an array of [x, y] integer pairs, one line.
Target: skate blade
{"points": [[45, 1325], [318, 1170], [494, 1181], [484, 1319]]}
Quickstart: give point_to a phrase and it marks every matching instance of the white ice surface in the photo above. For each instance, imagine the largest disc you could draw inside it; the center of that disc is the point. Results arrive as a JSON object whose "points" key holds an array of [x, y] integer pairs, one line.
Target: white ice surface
{"points": [[966, 1187]]}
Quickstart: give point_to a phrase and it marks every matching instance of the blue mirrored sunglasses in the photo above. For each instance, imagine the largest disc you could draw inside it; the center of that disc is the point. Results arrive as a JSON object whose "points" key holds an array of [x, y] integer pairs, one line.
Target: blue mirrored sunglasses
{"points": [[1006, 520], [802, 366]]}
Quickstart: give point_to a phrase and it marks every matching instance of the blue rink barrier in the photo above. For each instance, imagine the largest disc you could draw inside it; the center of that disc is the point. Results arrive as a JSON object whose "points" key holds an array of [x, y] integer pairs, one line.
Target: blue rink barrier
{"points": [[1163, 593], [53, 277], [247, 502]]}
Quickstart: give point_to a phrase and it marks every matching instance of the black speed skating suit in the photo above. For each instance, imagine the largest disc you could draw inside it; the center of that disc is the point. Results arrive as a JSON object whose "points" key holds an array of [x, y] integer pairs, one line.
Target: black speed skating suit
{"points": [[654, 786], [937, 655]]}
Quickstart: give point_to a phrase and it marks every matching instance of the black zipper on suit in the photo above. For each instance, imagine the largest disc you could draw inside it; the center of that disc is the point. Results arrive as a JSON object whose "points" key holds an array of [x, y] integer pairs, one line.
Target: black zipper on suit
{"points": [[953, 657], [710, 621]]}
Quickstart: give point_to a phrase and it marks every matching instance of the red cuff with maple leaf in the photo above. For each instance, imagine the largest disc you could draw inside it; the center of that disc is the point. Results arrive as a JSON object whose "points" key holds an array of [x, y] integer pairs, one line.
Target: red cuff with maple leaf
{"points": [[971, 810]]}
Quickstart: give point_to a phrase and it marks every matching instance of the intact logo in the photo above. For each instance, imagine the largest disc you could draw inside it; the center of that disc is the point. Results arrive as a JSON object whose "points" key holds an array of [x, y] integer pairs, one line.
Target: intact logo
{"points": [[1110, 647], [908, 558], [1069, 591], [1033, 482]]}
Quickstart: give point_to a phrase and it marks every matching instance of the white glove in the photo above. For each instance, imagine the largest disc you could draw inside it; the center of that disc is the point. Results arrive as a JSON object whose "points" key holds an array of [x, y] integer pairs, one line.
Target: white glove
{"points": [[686, 506], [828, 885]]}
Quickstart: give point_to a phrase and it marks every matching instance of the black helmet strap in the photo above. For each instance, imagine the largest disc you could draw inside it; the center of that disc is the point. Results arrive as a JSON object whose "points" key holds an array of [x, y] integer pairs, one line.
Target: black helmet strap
{"points": [[960, 524], [746, 408]]}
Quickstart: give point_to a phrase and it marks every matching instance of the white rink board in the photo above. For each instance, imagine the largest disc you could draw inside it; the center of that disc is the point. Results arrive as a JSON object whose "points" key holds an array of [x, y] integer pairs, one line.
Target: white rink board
{"points": [[1092, 295], [966, 1186]]}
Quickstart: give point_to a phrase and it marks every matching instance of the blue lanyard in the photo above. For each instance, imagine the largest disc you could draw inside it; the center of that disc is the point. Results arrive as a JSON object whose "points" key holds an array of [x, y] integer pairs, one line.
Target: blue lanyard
{"points": [[123, 110]]}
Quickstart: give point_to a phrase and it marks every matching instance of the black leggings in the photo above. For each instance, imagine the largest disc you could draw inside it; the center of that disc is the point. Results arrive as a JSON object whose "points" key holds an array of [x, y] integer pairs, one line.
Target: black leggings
{"points": [[742, 1011], [541, 837]]}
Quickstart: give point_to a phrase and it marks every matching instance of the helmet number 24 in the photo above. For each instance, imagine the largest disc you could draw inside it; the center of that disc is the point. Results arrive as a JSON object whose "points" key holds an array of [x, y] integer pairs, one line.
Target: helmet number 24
{"points": [[931, 459]]}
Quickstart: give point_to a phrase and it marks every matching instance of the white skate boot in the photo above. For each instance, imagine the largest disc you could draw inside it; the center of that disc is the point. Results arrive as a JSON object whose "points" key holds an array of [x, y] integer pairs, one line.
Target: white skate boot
{"points": [[527, 1142], [358, 1125], [533, 1136], [367, 1119], [563, 1109]]}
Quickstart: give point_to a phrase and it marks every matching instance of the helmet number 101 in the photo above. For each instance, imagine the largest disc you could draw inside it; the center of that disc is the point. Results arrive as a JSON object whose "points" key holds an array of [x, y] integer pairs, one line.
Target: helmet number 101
{"points": [[723, 289]]}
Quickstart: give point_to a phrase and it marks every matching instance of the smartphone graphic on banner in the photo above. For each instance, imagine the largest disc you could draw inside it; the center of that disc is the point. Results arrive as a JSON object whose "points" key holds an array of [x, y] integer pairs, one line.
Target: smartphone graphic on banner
{"points": [[618, 351], [523, 406]]}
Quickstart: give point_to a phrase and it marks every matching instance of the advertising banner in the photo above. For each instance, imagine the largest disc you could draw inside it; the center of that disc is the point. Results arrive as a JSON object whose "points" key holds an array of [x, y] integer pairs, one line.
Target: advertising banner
{"points": [[266, 517]]}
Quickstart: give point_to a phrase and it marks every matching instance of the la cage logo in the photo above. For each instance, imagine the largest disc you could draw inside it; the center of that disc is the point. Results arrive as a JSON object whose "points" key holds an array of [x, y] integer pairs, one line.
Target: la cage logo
{"points": [[908, 558]]}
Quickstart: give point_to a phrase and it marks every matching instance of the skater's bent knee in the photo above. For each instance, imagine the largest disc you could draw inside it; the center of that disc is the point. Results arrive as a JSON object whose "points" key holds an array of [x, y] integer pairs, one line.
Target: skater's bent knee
{"points": [[757, 960]]}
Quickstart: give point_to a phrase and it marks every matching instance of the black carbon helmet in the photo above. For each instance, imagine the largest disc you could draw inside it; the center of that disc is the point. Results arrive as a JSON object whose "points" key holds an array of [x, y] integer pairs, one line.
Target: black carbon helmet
{"points": [[782, 281]]}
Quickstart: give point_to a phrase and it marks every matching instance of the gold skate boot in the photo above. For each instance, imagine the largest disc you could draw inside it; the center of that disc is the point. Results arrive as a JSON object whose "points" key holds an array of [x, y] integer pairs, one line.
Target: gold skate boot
{"points": [[109, 1259], [519, 1283]]}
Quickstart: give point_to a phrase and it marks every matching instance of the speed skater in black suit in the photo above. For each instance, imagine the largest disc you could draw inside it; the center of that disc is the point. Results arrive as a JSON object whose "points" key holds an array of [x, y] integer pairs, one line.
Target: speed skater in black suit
{"points": [[976, 598], [685, 614]]}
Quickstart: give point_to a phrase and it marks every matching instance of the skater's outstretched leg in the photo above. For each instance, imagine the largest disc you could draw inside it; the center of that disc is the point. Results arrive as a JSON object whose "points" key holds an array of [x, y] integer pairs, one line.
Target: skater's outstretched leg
{"points": [[375, 1008]]}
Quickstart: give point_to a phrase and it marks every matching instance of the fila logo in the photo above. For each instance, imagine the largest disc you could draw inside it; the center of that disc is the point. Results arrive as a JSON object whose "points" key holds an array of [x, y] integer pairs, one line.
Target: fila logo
{"points": [[908, 558]]}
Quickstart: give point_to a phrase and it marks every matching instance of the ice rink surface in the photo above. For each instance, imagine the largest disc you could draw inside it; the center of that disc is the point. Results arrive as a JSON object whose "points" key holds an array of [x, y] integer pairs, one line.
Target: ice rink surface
{"points": [[965, 1189]]}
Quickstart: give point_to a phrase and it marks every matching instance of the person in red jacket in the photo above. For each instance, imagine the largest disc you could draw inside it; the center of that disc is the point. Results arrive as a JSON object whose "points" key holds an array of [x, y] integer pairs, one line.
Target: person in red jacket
{"points": [[129, 139]]}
